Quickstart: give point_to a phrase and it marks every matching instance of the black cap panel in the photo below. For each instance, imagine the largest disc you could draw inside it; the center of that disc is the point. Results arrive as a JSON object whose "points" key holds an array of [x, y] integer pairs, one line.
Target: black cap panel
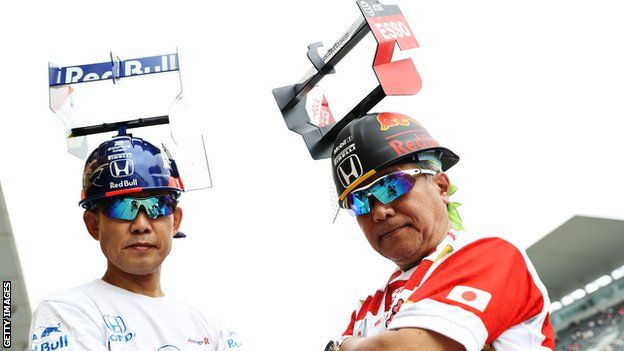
{"points": [[369, 143]]}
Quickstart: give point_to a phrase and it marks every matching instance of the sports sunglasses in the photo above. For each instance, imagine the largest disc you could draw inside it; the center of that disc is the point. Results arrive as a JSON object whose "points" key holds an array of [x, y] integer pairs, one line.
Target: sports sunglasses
{"points": [[127, 208], [385, 189]]}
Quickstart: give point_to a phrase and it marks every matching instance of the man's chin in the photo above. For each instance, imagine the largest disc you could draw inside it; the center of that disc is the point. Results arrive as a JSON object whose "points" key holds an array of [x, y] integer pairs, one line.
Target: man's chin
{"points": [[142, 268], [402, 252], [405, 259]]}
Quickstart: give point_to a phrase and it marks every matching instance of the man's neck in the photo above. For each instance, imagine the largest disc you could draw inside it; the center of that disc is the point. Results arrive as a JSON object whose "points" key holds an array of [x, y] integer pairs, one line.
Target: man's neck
{"points": [[146, 284]]}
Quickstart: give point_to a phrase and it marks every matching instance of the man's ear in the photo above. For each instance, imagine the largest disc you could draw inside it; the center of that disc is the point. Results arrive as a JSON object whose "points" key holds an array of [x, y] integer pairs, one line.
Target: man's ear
{"points": [[177, 219], [444, 186], [92, 223]]}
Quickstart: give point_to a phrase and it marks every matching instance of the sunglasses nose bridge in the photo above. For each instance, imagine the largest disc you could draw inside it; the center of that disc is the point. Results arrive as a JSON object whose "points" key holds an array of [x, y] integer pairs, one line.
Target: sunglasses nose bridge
{"points": [[379, 210], [376, 195], [136, 207], [141, 208], [374, 201], [144, 208], [140, 224]]}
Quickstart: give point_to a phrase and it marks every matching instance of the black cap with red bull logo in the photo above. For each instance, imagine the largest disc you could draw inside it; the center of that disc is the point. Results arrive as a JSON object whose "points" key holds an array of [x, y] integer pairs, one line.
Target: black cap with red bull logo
{"points": [[371, 142]]}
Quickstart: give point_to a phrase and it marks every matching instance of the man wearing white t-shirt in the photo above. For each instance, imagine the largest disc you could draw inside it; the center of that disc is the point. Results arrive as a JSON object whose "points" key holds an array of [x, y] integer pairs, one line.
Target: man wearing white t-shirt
{"points": [[130, 195], [451, 290]]}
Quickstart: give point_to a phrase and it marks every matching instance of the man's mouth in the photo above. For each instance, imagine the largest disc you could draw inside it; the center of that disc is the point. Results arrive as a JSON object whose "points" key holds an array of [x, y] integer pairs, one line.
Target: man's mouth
{"points": [[393, 231], [142, 246]]}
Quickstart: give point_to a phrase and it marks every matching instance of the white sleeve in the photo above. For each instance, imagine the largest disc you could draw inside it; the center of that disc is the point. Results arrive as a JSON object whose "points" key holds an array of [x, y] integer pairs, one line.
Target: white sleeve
{"points": [[58, 325]]}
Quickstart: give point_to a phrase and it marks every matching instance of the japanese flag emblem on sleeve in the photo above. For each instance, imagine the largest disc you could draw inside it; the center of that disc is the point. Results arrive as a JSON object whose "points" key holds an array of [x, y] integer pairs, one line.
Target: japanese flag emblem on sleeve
{"points": [[475, 298]]}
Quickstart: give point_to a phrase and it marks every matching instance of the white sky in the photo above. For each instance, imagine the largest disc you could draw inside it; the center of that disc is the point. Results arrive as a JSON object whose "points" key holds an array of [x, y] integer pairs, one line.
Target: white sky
{"points": [[528, 93]]}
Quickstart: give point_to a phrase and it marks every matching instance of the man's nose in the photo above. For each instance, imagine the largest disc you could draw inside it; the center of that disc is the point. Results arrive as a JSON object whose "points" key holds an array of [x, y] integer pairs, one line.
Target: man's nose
{"points": [[141, 223], [379, 211]]}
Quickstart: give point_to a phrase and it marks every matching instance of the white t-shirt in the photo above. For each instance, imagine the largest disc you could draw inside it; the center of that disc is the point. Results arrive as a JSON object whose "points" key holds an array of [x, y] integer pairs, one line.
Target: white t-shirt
{"points": [[478, 291], [100, 316]]}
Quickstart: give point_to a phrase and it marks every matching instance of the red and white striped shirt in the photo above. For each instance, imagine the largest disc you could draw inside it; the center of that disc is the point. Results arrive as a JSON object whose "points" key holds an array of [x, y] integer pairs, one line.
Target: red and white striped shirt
{"points": [[479, 291]]}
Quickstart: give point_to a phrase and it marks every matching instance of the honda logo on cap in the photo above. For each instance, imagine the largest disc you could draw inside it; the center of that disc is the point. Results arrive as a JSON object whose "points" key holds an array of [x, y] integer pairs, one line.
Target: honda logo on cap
{"points": [[121, 168], [349, 170]]}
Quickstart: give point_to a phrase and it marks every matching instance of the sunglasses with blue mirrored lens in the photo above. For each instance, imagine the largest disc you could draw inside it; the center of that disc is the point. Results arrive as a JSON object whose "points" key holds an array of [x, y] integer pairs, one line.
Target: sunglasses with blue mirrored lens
{"points": [[127, 208], [385, 189]]}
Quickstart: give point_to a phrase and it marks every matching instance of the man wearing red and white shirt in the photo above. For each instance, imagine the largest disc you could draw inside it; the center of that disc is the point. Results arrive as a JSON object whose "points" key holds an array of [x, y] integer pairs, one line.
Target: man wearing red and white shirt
{"points": [[451, 290], [475, 291]]}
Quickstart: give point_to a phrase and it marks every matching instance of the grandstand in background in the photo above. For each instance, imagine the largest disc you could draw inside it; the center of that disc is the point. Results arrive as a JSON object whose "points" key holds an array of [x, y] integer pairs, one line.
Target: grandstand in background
{"points": [[10, 270], [582, 265]]}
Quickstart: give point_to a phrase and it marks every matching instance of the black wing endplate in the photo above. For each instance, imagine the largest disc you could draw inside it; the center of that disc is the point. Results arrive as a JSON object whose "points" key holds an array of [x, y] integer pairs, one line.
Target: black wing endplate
{"points": [[389, 27]]}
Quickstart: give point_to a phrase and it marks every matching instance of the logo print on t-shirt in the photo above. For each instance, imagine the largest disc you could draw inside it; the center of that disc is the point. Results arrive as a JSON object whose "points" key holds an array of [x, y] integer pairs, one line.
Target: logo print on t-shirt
{"points": [[49, 338], [395, 310], [232, 341], [118, 327], [203, 341]]}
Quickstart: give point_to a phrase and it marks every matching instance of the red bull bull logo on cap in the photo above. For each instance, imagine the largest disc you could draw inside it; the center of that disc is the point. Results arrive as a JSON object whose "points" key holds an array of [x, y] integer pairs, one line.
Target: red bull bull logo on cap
{"points": [[388, 120]]}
